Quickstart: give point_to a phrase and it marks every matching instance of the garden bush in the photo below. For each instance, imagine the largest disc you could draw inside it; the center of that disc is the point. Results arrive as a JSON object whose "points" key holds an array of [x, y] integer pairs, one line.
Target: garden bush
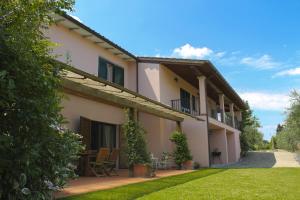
{"points": [[181, 153], [37, 154]]}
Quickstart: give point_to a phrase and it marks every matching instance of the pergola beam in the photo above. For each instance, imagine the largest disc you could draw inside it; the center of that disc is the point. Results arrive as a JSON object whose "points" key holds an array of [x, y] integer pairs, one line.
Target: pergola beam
{"points": [[78, 88]]}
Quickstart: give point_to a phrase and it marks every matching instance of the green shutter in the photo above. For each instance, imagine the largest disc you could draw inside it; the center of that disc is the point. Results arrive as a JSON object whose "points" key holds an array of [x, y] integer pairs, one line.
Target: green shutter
{"points": [[118, 75], [102, 69]]}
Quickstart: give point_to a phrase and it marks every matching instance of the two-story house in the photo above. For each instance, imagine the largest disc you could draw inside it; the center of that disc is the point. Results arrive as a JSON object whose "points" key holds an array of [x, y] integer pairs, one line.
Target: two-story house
{"points": [[164, 93]]}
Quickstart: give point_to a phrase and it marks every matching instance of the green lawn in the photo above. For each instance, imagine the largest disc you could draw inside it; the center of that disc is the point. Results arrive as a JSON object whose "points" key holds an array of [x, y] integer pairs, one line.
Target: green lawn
{"points": [[273, 183]]}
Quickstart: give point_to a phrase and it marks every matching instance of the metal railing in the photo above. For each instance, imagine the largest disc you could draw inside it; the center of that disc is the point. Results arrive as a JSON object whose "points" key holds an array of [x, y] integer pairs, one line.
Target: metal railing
{"points": [[237, 123], [183, 106], [228, 119], [216, 114]]}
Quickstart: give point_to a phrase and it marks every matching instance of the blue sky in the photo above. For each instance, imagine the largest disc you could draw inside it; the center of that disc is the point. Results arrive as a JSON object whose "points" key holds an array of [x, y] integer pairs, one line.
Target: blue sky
{"points": [[253, 43]]}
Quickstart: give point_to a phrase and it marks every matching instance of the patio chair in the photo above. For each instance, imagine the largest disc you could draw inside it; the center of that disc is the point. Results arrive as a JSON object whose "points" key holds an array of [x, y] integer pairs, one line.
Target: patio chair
{"points": [[111, 163], [154, 161], [98, 167]]}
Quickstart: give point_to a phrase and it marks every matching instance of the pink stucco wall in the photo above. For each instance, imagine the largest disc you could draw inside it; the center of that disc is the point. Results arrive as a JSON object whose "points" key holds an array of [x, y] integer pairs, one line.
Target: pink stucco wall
{"points": [[83, 54], [218, 140], [231, 147], [157, 82], [196, 132], [75, 106]]}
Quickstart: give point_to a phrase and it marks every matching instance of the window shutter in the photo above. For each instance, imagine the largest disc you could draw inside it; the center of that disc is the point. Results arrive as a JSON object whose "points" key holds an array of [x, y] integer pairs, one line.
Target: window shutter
{"points": [[102, 69], [85, 131], [118, 75]]}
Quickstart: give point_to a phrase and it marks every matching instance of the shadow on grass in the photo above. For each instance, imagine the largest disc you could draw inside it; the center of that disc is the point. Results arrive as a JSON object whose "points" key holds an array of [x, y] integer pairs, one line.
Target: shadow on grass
{"points": [[136, 190]]}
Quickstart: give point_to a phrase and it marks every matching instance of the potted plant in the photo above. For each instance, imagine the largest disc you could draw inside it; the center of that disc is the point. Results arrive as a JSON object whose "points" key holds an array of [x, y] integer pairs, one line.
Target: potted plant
{"points": [[138, 156], [181, 154]]}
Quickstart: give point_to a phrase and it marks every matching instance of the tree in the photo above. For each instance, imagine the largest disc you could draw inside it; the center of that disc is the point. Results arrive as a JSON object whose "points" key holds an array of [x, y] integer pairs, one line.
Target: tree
{"points": [[279, 128], [251, 138], [289, 136], [36, 152]]}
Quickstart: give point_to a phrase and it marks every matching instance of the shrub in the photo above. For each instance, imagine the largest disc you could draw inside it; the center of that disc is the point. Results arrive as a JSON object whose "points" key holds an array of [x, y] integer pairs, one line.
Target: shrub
{"points": [[136, 144], [181, 153], [36, 154]]}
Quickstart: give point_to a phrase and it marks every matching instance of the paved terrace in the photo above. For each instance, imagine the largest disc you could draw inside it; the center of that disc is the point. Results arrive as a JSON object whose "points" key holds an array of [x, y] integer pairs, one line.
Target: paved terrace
{"points": [[89, 184]]}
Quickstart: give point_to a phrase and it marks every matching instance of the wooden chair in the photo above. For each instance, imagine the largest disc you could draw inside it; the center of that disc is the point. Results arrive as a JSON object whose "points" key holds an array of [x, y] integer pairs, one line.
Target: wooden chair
{"points": [[111, 163], [98, 167]]}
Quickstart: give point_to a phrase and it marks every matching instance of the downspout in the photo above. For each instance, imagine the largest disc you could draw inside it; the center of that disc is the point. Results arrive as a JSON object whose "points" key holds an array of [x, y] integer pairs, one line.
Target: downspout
{"points": [[207, 125], [137, 81]]}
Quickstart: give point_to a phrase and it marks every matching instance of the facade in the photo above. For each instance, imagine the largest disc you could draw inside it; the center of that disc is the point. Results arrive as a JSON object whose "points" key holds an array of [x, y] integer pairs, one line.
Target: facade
{"points": [[166, 94]]}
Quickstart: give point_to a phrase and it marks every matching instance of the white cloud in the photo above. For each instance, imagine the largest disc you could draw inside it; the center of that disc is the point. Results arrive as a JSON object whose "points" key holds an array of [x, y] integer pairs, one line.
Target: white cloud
{"points": [[289, 72], [220, 54], [77, 18], [266, 101], [263, 62], [188, 51]]}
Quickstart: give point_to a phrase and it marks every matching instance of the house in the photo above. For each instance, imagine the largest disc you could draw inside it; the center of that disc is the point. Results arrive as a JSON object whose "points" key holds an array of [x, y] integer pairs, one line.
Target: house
{"points": [[164, 94]]}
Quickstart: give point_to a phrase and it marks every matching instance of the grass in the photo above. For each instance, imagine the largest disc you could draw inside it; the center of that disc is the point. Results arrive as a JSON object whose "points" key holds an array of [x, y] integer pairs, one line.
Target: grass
{"points": [[274, 183]]}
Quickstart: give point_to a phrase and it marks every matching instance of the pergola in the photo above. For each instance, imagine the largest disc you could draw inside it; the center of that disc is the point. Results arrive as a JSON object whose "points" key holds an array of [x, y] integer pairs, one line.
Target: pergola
{"points": [[83, 84]]}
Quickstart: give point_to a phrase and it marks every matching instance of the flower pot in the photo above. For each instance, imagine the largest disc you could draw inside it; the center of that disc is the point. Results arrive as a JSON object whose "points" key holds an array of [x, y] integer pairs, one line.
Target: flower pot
{"points": [[143, 170], [188, 164]]}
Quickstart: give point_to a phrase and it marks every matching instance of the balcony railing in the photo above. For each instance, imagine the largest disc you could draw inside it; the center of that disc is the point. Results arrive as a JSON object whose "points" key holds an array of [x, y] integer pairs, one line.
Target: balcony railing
{"points": [[216, 114], [191, 107], [228, 119], [237, 123]]}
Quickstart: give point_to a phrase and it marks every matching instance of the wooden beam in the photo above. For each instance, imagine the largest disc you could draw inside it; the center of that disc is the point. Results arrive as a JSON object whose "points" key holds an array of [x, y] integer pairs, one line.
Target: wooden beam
{"points": [[72, 29], [86, 36], [118, 54], [59, 20], [98, 42], [178, 126], [122, 102]]}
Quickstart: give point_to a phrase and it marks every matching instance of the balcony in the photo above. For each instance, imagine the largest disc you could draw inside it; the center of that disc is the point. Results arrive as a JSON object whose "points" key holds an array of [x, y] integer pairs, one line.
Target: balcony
{"points": [[217, 115], [186, 106]]}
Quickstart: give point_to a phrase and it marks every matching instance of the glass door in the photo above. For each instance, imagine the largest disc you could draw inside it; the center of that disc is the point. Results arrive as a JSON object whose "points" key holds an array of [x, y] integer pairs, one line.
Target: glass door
{"points": [[185, 99], [103, 135]]}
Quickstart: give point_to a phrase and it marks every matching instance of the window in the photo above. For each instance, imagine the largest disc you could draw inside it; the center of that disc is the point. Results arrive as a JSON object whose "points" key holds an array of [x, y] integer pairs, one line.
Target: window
{"points": [[185, 101], [110, 72], [118, 75], [193, 103], [103, 135]]}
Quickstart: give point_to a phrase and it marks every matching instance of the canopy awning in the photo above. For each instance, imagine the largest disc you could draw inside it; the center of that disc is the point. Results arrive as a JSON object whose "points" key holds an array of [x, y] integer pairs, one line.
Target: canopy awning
{"points": [[87, 85]]}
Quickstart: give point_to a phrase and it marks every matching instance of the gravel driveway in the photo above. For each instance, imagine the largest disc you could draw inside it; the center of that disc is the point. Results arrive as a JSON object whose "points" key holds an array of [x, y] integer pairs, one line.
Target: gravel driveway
{"points": [[268, 159]]}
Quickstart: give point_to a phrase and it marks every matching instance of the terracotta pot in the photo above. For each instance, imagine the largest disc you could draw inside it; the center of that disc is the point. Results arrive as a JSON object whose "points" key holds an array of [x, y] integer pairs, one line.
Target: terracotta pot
{"points": [[188, 164], [142, 170]]}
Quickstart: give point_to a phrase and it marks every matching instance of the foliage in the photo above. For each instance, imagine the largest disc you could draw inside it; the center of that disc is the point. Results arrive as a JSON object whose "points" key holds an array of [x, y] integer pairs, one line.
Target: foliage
{"points": [[250, 138], [36, 154], [273, 142], [136, 144], [288, 137], [181, 153]]}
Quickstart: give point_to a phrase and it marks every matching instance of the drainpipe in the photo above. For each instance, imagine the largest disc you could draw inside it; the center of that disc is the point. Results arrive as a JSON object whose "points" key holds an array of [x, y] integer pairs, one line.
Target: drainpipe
{"points": [[207, 125], [137, 81]]}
